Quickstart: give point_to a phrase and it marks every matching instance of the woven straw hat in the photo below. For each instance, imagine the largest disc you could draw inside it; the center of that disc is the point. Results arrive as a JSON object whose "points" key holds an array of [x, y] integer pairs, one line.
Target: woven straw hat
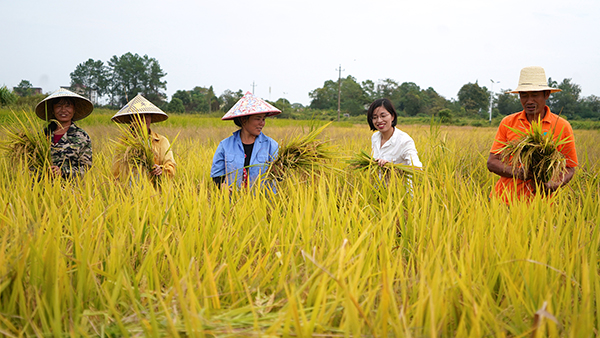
{"points": [[533, 79], [139, 105], [250, 105], [83, 106]]}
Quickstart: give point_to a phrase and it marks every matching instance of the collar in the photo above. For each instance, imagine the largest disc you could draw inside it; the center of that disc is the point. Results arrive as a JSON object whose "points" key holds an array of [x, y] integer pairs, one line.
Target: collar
{"points": [[547, 115], [154, 135]]}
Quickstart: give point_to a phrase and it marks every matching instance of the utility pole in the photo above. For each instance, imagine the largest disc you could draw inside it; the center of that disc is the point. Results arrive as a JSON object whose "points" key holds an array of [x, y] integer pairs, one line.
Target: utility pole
{"points": [[339, 89], [492, 97], [253, 85]]}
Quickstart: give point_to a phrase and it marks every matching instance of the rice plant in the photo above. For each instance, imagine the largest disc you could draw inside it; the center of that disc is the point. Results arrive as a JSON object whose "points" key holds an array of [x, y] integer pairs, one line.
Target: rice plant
{"points": [[536, 152], [133, 148], [362, 161], [302, 155], [26, 145]]}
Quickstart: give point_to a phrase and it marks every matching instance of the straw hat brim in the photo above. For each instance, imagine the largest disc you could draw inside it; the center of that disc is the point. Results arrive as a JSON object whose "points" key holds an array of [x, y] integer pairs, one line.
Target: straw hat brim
{"points": [[533, 88], [83, 107], [139, 105], [269, 113], [127, 118]]}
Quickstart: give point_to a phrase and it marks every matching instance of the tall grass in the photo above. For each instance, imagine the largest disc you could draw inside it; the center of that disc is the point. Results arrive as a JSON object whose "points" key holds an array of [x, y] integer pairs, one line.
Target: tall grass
{"points": [[330, 255]]}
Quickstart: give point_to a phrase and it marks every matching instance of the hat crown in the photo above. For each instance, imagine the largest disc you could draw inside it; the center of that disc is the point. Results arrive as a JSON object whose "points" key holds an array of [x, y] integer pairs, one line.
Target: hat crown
{"points": [[533, 76], [533, 79], [139, 105], [250, 105]]}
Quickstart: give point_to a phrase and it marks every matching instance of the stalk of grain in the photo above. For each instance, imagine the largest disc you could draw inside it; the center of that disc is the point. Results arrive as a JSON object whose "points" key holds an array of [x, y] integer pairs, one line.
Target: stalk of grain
{"points": [[302, 154], [536, 152], [133, 148], [26, 145]]}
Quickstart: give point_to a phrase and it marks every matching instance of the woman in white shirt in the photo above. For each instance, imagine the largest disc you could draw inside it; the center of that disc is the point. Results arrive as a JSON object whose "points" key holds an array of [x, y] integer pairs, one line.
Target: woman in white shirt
{"points": [[390, 144]]}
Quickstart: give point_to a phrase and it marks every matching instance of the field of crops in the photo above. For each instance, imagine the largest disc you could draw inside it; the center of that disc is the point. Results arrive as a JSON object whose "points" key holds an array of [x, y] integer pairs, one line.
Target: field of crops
{"points": [[336, 254]]}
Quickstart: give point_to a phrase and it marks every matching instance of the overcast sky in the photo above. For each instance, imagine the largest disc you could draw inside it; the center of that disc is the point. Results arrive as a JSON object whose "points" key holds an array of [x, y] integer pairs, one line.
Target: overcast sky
{"points": [[290, 47]]}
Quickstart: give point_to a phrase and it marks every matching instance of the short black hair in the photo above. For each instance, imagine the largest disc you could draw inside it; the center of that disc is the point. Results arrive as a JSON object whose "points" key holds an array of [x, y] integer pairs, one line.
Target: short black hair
{"points": [[387, 104], [238, 120]]}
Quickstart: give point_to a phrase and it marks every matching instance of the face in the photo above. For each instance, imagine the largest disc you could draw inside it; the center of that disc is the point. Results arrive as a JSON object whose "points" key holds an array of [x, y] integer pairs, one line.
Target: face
{"points": [[382, 119], [63, 111], [254, 124], [534, 102]]}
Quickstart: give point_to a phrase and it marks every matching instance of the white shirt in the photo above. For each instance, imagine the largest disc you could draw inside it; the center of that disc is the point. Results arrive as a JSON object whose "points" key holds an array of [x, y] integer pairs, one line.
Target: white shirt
{"points": [[400, 148]]}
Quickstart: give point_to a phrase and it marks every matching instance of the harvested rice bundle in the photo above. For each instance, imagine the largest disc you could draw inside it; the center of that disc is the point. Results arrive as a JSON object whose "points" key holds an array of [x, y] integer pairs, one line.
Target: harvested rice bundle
{"points": [[134, 147], [364, 162], [26, 144], [536, 153], [301, 154]]}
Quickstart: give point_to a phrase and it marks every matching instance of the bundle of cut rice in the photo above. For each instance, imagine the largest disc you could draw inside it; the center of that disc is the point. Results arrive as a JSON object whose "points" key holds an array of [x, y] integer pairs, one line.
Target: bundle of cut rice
{"points": [[26, 144], [301, 154], [134, 148], [536, 153], [364, 162]]}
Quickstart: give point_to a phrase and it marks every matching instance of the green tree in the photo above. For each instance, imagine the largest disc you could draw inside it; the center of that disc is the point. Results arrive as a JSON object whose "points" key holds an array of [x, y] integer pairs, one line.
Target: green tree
{"points": [[176, 106], [24, 88], [92, 76], [565, 102], [474, 98], [228, 99], [352, 97], [409, 98], [508, 103], [589, 107], [131, 74]]}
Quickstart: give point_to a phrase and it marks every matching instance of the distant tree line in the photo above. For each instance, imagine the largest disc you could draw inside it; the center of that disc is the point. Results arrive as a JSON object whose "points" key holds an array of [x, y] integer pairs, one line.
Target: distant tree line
{"points": [[123, 77]]}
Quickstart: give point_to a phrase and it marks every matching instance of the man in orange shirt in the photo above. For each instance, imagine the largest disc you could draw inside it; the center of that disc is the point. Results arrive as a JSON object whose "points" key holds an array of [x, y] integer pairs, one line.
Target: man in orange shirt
{"points": [[533, 92]]}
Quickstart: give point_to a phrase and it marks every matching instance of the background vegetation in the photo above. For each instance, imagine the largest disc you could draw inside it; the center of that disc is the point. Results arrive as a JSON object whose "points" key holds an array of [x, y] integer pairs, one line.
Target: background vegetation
{"points": [[337, 253]]}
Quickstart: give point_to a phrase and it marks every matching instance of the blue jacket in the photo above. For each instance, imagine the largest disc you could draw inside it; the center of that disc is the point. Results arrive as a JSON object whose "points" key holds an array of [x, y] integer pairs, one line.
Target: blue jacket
{"points": [[229, 158]]}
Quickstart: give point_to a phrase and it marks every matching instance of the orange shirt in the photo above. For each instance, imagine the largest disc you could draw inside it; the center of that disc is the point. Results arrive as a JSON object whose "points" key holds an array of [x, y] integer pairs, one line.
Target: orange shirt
{"points": [[507, 187]]}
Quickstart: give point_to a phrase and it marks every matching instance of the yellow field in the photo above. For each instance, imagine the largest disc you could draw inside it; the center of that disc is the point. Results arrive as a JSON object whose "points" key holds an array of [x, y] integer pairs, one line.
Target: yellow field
{"points": [[336, 254]]}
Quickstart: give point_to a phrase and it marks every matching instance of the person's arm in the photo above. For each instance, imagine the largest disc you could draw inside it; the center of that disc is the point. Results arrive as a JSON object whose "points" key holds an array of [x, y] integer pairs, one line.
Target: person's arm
{"points": [[563, 180], [495, 165]]}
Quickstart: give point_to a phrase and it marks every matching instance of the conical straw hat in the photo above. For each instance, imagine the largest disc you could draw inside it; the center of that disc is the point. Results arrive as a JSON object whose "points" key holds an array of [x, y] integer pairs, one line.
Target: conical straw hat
{"points": [[533, 79], [139, 105], [250, 105], [83, 106]]}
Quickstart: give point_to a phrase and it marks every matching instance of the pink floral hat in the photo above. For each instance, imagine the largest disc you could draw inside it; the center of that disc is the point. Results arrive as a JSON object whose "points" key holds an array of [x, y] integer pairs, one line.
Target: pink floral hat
{"points": [[250, 105]]}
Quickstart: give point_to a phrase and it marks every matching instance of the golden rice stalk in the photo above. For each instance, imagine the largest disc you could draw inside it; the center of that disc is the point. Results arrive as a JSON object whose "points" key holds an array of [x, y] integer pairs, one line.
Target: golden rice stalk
{"points": [[536, 152], [362, 161], [26, 144], [133, 149], [301, 154]]}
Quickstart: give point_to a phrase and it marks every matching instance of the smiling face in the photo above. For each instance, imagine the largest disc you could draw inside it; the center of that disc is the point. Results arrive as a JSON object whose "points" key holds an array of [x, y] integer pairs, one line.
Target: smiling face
{"points": [[534, 102], [64, 111], [382, 119], [254, 124]]}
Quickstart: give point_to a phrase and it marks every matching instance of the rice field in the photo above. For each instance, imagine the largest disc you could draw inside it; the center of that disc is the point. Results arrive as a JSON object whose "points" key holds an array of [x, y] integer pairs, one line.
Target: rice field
{"points": [[338, 253]]}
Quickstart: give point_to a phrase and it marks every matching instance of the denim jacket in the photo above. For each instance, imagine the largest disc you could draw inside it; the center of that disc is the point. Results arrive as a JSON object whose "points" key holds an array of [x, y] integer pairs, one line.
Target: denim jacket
{"points": [[229, 158]]}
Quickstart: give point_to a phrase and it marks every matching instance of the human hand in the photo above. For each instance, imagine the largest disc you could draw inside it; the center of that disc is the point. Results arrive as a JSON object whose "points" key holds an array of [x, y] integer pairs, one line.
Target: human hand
{"points": [[157, 171], [381, 162]]}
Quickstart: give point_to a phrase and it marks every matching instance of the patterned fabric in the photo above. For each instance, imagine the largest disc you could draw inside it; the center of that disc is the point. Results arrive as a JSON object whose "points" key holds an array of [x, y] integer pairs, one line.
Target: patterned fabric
{"points": [[250, 105], [139, 105], [73, 152]]}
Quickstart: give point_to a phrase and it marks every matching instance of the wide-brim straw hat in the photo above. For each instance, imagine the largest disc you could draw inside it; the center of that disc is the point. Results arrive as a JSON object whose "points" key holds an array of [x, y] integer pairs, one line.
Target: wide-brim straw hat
{"points": [[533, 79], [250, 105], [139, 105], [83, 107]]}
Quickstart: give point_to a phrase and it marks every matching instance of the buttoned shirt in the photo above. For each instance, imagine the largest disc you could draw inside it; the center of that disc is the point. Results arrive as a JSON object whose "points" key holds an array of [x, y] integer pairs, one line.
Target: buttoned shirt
{"points": [[399, 149], [229, 158]]}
